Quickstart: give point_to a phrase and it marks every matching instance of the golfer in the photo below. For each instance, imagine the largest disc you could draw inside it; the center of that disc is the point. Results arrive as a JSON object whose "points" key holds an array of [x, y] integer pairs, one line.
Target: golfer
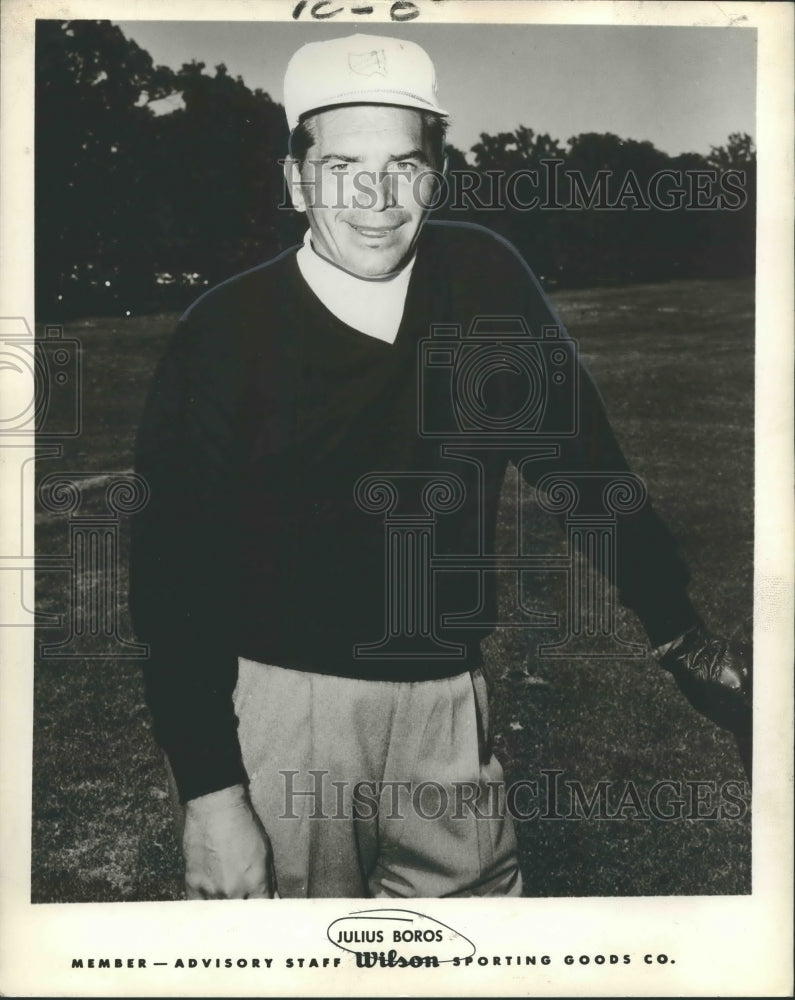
{"points": [[325, 442]]}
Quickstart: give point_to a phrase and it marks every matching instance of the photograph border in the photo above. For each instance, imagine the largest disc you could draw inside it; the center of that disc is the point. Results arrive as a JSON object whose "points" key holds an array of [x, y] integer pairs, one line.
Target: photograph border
{"points": [[732, 946]]}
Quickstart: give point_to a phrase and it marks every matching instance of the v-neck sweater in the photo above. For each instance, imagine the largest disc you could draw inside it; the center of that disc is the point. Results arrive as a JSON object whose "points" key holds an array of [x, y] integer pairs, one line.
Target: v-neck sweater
{"points": [[282, 448], [371, 305]]}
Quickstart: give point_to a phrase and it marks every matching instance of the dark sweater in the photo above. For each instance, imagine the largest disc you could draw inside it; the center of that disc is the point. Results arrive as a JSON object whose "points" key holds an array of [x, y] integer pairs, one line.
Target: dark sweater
{"points": [[265, 412]]}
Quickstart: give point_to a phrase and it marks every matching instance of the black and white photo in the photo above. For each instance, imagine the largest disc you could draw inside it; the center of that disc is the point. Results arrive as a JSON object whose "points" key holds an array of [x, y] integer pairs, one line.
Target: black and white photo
{"points": [[401, 506]]}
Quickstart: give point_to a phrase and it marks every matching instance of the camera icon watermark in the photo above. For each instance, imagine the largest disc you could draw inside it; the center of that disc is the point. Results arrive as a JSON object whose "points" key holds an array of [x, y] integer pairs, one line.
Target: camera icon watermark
{"points": [[498, 381], [41, 381]]}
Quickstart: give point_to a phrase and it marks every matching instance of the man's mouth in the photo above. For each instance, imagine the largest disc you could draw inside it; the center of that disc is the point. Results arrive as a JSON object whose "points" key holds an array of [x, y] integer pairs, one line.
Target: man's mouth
{"points": [[375, 232]]}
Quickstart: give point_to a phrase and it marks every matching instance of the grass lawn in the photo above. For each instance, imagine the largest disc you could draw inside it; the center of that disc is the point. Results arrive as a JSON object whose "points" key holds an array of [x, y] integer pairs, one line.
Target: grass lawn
{"points": [[674, 363]]}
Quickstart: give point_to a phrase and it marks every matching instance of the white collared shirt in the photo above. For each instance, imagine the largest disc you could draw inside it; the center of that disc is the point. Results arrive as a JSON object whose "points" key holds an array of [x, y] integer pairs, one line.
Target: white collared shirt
{"points": [[371, 305]]}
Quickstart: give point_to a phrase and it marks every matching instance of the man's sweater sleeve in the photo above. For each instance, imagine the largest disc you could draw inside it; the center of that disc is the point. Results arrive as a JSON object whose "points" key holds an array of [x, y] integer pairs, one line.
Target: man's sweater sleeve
{"points": [[645, 567], [644, 563], [183, 564]]}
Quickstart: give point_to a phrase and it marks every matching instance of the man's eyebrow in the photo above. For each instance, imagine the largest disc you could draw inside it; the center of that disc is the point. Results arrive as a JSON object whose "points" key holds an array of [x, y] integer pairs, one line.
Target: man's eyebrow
{"points": [[413, 154], [340, 156]]}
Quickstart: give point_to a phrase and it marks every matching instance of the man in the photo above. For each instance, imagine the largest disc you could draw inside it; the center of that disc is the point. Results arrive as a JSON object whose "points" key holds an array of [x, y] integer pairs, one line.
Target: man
{"points": [[294, 403]]}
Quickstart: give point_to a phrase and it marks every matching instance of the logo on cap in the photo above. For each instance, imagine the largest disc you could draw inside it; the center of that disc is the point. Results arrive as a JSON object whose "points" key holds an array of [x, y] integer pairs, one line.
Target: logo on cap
{"points": [[368, 63]]}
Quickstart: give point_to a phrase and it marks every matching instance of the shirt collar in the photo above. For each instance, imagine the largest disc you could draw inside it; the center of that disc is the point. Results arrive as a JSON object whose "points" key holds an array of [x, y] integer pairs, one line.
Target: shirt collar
{"points": [[319, 261]]}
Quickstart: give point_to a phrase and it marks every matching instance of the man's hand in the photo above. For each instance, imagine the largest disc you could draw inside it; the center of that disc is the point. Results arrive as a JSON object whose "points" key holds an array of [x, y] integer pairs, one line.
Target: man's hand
{"points": [[227, 852], [714, 674]]}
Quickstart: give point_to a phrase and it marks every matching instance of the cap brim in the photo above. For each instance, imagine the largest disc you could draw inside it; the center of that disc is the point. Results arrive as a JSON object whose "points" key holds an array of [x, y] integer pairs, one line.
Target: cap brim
{"points": [[384, 98]]}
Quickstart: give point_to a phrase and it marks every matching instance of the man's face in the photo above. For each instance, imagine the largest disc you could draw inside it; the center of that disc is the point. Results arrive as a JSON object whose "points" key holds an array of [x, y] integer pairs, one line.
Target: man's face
{"points": [[362, 186]]}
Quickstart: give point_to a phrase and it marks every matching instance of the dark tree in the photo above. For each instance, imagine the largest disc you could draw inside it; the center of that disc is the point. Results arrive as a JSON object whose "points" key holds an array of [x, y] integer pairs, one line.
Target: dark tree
{"points": [[733, 247], [609, 232], [221, 184], [94, 148], [534, 231]]}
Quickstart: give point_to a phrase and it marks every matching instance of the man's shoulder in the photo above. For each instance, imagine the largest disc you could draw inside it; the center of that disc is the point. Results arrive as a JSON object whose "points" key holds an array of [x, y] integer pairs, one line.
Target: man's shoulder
{"points": [[243, 291], [469, 245], [465, 253], [234, 313]]}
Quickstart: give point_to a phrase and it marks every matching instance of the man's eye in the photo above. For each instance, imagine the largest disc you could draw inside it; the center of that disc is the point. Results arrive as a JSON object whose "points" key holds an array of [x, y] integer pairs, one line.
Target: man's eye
{"points": [[405, 166], [339, 168]]}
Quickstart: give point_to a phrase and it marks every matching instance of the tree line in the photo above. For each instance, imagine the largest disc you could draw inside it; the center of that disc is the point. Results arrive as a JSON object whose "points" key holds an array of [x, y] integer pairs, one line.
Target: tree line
{"points": [[138, 211]]}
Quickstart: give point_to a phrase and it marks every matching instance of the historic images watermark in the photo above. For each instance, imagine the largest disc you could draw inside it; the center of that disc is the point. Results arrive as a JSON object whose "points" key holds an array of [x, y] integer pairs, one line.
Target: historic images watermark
{"points": [[549, 796], [550, 187]]}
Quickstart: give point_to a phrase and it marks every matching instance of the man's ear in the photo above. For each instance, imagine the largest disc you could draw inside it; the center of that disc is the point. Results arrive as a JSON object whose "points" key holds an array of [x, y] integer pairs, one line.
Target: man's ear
{"points": [[292, 177]]}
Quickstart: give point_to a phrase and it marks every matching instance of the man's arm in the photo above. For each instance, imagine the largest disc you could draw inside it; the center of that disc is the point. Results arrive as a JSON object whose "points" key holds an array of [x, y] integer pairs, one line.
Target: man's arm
{"points": [[643, 563], [183, 578], [184, 575], [713, 673]]}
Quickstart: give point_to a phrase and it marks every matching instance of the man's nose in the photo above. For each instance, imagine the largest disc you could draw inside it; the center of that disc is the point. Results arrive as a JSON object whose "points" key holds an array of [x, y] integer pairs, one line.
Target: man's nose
{"points": [[384, 191]]}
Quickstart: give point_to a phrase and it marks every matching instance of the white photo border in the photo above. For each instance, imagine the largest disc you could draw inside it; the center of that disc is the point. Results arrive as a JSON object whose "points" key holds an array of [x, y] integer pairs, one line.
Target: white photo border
{"points": [[730, 946]]}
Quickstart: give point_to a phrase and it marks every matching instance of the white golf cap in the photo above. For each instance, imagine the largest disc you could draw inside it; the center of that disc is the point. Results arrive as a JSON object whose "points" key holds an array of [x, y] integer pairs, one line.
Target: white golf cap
{"points": [[359, 69]]}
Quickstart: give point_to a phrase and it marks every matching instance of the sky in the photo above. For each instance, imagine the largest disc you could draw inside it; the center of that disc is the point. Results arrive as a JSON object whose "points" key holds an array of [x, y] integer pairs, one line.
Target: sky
{"points": [[682, 88]]}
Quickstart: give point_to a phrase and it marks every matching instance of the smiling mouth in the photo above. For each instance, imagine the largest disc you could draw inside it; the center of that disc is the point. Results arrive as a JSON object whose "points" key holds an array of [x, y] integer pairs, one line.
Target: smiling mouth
{"points": [[375, 232]]}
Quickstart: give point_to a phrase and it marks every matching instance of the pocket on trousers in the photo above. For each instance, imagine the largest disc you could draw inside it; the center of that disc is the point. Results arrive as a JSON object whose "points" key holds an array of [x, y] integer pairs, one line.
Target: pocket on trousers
{"points": [[481, 693]]}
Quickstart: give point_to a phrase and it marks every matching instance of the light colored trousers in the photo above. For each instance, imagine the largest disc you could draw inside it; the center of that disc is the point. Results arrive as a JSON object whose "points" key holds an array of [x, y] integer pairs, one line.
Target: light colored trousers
{"points": [[376, 788]]}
